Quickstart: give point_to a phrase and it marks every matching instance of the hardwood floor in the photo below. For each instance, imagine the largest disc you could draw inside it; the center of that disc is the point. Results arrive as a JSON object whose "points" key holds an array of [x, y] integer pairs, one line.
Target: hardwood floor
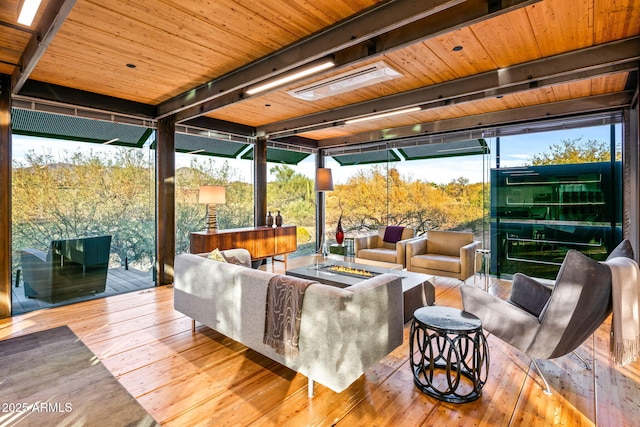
{"points": [[207, 379]]}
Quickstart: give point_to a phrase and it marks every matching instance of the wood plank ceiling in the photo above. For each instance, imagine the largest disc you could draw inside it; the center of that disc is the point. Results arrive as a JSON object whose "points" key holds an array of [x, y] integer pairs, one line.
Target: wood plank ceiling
{"points": [[195, 58]]}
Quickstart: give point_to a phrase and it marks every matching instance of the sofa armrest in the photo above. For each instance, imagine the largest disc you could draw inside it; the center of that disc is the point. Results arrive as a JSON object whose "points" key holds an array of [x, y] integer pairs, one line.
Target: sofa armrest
{"points": [[401, 250], [379, 323], [529, 294], [501, 318], [343, 332], [467, 259]]}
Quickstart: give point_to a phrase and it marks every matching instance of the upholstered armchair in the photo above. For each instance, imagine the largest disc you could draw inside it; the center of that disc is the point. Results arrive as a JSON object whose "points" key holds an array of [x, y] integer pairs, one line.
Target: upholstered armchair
{"points": [[70, 268], [547, 322], [443, 253], [388, 245]]}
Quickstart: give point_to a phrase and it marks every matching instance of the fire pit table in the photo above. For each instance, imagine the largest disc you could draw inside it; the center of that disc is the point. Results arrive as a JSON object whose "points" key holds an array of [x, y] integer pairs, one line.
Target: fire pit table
{"points": [[417, 289]]}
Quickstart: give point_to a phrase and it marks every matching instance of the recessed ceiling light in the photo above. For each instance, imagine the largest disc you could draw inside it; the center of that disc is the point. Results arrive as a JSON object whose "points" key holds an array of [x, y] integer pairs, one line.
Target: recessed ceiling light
{"points": [[457, 48], [27, 10], [347, 81], [131, 65]]}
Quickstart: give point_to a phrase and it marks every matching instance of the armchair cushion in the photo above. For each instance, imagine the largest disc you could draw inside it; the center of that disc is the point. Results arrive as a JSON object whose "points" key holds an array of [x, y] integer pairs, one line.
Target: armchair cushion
{"points": [[507, 321], [529, 294], [437, 262]]}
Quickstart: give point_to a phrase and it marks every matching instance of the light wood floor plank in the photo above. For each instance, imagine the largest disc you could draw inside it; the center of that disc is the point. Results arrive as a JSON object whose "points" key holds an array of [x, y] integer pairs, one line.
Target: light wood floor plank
{"points": [[208, 379]]}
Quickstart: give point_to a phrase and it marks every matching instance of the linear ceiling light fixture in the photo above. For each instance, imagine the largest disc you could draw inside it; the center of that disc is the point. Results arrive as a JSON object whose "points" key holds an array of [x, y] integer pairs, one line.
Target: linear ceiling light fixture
{"points": [[383, 115], [27, 10], [307, 70], [344, 82]]}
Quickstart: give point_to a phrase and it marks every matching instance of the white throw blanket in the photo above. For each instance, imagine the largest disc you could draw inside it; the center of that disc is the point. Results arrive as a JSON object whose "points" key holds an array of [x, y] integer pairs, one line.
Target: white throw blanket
{"points": [[625, 325]]}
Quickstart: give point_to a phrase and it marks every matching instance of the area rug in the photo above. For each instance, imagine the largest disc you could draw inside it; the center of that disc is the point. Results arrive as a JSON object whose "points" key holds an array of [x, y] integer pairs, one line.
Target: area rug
{"points": [[52, 378]]}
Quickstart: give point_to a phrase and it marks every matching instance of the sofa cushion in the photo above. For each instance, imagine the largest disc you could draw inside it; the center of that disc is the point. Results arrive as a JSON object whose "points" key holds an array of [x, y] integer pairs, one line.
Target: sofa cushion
{"points": [[437, 262]]}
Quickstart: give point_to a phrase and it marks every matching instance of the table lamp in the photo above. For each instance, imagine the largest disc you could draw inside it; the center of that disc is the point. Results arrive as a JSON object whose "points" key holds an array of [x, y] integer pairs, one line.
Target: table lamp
{"points": [[211, 195]]}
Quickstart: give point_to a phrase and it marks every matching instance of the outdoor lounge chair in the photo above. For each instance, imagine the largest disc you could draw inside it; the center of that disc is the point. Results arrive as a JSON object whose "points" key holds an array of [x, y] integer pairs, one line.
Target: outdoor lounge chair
{"points": [[70, 268]]}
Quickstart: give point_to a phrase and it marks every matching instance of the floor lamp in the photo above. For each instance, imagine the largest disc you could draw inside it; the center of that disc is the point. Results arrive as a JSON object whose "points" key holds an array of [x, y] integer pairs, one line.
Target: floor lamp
{"points": [[324, 182], [211, 195]]}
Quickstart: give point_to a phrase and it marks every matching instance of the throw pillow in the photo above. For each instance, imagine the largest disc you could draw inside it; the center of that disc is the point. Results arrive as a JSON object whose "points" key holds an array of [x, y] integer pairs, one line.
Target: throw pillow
{"points": [[216, 255], [393, 233]]}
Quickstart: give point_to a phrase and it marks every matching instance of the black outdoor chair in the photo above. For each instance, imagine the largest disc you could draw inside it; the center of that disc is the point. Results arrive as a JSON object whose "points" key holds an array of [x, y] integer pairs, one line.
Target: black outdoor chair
{"points": [[70, 268]]}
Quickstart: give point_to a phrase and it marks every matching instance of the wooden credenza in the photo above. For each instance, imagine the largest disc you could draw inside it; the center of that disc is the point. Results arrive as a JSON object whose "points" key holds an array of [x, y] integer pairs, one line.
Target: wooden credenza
{"points": [[261, 242]]}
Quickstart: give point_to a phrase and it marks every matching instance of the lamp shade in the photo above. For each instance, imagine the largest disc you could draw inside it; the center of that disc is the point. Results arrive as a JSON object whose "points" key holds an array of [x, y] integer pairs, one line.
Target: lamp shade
{"points": [[324, 180], [211, 194]]}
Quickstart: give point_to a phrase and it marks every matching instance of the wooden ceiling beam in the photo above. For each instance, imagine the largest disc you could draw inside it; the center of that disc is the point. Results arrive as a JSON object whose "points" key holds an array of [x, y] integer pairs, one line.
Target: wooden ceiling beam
{"points": [[52, 19], [572, 107], [590, 62], [382, 28]]}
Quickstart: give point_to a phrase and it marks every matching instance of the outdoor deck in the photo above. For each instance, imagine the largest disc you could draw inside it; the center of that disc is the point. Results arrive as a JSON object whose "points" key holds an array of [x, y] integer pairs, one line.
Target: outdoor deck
{"points": [[119, 281]]}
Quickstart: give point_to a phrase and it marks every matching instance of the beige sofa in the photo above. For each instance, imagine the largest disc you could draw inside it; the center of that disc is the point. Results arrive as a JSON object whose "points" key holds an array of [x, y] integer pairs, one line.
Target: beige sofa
{"points": [[343, 332], [443, 253], [374, 247]]}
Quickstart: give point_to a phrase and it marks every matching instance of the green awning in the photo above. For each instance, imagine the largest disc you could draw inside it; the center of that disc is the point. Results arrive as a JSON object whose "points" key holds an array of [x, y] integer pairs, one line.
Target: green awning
{"points": [[445, 149], [206, 146], [70, 128], [276, 155], [367, 157]]}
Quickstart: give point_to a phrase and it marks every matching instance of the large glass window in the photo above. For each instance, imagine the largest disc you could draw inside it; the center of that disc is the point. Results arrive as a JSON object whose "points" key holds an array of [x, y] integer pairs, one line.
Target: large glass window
{"points": [[290, 192], [555, 191], [193, 171], [83, 220], [422, 188]]}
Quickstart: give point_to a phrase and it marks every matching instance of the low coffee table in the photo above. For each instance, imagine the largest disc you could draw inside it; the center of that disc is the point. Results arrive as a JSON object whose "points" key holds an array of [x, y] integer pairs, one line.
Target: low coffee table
{"points": [[417, 289]]}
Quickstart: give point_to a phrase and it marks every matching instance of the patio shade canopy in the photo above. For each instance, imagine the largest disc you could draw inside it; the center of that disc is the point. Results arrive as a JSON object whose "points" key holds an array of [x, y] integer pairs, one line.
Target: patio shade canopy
{"points": [[277, 155], [207, 146], [367, 157], [421, 150], [445, 149], [98, 131], [65, 127]]}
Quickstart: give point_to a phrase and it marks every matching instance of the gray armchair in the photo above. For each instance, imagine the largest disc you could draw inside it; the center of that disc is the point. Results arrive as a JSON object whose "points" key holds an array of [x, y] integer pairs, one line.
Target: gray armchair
{"points": [[70, 268], [544, 321]]}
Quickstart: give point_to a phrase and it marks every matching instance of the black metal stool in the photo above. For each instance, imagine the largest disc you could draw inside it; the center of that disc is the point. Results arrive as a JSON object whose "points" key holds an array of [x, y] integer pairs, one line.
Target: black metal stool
{"points": [[447, 345]]}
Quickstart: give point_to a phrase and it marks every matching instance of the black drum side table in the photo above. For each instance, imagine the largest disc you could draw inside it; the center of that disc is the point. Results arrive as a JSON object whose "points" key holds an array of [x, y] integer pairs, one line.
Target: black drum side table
{"points": [[449, 354]]}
